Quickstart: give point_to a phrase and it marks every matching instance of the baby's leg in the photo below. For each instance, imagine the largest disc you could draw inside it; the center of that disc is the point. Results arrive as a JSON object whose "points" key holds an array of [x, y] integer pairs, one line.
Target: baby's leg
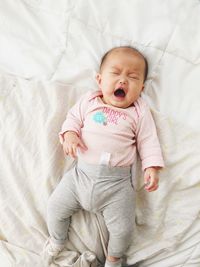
{"points": [[61, 205], [119, 217]]}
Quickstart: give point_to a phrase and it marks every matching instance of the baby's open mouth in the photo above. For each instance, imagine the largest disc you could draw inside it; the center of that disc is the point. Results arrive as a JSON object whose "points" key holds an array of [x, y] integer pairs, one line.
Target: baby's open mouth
{"points": [[119, 92]]}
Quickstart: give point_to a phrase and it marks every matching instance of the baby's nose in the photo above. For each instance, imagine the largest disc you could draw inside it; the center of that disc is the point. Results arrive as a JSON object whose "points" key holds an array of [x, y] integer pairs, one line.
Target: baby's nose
{"points": [[123, 81]]}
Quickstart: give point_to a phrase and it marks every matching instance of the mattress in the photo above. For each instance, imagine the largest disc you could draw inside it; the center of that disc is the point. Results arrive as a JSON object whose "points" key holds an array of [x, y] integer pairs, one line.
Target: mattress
{"points": [[49, 54]]}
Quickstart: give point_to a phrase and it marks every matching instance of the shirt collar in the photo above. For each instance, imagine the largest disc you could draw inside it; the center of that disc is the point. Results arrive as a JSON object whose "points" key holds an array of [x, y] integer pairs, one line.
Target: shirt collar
{"points": [[95, 94]]}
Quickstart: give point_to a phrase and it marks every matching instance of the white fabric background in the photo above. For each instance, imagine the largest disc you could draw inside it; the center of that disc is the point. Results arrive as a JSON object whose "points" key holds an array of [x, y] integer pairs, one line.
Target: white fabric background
{"points": [[49, 53]]}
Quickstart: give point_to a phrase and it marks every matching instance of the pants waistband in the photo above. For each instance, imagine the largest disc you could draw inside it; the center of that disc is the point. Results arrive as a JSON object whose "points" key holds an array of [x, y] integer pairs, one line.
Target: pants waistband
{"points": [[104, 170]]}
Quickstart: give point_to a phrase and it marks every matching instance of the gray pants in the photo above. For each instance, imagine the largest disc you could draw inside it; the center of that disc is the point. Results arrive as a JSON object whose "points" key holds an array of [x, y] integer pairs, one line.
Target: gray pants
{"points": [[95, 188]]}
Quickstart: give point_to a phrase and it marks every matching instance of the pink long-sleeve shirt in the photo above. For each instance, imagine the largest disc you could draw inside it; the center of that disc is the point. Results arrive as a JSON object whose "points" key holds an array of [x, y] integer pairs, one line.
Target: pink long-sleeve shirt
{"points": [[113, 132]]}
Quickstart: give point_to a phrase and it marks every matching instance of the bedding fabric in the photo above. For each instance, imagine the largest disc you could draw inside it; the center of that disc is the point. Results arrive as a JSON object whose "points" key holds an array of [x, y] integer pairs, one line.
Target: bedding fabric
{"points": [[49, 54]]}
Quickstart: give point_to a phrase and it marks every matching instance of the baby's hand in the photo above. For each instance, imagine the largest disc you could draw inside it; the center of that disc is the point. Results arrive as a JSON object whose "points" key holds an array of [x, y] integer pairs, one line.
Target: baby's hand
{"points": [[70, 144], [151, 179]]}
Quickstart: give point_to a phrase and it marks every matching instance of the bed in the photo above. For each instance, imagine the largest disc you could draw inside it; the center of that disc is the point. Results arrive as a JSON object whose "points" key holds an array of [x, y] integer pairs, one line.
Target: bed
{"points": [[49, 55]]}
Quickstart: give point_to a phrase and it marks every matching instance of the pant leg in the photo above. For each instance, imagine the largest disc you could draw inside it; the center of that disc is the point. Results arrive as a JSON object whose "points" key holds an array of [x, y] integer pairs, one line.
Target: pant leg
{"points": [[61, 205], [119, 215]]}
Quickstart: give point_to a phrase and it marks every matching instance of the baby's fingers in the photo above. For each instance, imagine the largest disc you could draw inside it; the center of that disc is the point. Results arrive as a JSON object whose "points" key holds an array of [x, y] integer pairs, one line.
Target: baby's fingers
{"points": [[65, 151], [152, 188], [70, 151], [152, 185], [82, 145], [73, 151]]}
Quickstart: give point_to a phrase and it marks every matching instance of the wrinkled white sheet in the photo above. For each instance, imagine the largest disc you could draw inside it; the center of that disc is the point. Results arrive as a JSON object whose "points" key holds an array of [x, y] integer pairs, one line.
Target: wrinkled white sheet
{"points": [[49, 53]]}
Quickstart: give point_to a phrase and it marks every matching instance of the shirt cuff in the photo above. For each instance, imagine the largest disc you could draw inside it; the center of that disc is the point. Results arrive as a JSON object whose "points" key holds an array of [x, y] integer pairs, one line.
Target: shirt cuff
{"points": [[152, 162]]}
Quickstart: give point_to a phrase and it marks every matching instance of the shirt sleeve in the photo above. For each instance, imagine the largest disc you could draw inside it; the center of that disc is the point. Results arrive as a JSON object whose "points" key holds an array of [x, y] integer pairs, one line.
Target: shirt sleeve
{"points": [[75, 118], [147, 141]]}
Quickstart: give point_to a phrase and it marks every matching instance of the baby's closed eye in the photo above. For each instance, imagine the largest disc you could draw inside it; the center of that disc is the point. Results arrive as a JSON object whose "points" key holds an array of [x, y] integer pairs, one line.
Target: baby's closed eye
{"points": [[134, 77]]}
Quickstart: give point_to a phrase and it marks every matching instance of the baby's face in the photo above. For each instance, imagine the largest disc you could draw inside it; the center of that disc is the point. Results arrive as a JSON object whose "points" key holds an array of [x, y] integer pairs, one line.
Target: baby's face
{"points": [[121, 79]]}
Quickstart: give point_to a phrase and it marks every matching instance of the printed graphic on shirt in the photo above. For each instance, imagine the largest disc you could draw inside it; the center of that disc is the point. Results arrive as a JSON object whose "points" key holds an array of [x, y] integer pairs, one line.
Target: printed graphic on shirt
{"points": [[99, 117], [109, 115]]}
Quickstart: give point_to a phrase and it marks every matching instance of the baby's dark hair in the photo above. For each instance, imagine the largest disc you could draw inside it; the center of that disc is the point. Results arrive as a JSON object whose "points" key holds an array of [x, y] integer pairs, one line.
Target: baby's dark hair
{"points": [[128, 47]]}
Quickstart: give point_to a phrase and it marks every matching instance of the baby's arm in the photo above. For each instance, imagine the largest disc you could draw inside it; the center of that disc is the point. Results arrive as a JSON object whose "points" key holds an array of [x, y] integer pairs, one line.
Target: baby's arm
{"points": [[70, 144], [71, 128], [147, 141], [149, 150]]}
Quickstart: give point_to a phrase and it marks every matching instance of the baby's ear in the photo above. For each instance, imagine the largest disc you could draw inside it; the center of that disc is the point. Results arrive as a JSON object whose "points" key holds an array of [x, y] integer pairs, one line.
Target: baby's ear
{"points": [[98, 78], [142, 87]]}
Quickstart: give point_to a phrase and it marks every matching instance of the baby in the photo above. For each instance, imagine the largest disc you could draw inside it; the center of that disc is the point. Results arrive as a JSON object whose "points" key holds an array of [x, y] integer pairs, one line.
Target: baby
{"points": [[104, 130]]}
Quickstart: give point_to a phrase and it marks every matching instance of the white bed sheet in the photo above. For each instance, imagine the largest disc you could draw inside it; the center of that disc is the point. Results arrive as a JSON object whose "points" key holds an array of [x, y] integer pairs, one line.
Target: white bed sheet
{"points": [[49, 54]]}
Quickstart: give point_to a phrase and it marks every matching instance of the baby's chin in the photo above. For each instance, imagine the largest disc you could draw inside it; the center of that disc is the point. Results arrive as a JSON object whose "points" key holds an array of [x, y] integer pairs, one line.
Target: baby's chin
{"points": [[121, 104]]}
